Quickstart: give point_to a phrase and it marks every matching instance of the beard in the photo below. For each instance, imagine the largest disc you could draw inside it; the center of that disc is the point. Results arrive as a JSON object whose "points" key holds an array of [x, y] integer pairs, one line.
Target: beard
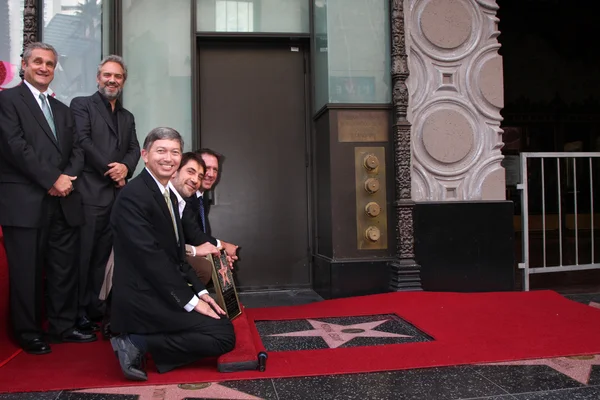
{"points": [[110, 95]]}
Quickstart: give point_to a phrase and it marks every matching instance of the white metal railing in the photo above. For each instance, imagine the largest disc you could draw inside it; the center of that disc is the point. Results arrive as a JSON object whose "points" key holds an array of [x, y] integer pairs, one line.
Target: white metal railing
{"points": [[566, 166]]}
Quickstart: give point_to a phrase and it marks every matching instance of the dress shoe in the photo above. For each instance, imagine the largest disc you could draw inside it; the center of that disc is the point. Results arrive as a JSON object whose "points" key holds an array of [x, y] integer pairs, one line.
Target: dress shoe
{"points": [[74, 336], [107, 333], [36, 346], [131, 359], [84, 324]]}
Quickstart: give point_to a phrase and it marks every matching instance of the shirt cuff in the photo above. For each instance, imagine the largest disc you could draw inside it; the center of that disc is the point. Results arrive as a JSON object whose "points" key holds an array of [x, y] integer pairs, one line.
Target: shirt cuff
{"points": [[192, 303], [202, 292], [218, 243]]}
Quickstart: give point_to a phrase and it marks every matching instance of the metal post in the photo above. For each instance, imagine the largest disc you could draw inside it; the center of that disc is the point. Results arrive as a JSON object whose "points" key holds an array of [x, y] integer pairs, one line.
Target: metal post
{"points": [[592, 207], [525, 218]]}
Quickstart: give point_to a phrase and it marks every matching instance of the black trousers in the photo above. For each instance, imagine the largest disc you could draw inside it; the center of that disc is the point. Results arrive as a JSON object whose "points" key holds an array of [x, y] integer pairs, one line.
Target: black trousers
{"points": [[210, 338], [32, 252], [96, 245]]}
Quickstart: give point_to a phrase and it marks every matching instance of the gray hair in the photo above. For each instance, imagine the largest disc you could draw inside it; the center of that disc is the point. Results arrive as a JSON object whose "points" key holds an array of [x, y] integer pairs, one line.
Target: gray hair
{"points": [[162, 133], [38, 45], [116, 59]]}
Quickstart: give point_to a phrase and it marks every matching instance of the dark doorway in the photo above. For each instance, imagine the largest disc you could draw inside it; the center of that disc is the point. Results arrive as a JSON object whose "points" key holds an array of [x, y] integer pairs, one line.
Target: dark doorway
{"points": [[253, 110]]}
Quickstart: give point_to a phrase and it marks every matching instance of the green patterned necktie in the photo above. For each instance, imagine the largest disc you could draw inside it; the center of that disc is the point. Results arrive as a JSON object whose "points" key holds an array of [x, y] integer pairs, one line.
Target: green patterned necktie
{"points": [[48, 114], [170, 206]]}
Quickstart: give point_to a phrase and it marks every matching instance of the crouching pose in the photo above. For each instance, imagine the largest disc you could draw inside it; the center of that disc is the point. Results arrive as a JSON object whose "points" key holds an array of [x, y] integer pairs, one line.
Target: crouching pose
{"points": [[159, 305]]}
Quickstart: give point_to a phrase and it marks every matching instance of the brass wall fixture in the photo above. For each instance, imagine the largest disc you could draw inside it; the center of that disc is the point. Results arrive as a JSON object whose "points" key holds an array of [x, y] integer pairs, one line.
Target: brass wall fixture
{"points": [[371, 212]]}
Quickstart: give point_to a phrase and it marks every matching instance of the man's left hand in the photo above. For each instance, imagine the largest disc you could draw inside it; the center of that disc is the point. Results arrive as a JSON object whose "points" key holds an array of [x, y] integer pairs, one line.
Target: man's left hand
{"points": [[117, 171], [207, 299], [230, 249]]}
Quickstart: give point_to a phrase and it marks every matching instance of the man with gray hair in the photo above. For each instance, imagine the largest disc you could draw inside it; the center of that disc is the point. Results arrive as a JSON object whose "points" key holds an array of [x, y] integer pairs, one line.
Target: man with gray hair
{"points": [[159, 304], [106, 132], [40, 210]]}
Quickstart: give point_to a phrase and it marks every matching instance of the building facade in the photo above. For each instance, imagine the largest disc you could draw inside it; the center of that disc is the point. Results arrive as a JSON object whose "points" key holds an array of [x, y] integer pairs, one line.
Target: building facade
{"points": [[362, 138]]}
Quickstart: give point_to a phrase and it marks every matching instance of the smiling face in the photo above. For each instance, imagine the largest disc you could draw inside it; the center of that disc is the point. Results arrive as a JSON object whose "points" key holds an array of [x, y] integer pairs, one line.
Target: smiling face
{"points": [[38, 70], [212, 171], [187, 179], [163, 159], [110, 79]]}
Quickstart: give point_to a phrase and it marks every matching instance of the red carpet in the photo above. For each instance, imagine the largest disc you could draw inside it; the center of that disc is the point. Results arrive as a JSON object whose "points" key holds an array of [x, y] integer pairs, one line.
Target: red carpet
{"points": [[7, 348], [468, 328]]}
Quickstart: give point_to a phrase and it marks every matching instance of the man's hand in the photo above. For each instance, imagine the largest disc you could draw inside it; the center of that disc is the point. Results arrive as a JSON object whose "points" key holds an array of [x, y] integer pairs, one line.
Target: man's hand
{"points": [[63, 186], [230, 249], [207, 306], [206, 297], [117, 171], [119, 184], [229, 262], [54, 192], [202, 251]]}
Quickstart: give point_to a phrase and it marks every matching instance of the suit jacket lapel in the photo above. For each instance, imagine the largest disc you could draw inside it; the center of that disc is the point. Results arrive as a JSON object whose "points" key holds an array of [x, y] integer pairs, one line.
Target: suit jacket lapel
{"points": [[104, 112], [121, 127], [158, 197], [36, 110]]}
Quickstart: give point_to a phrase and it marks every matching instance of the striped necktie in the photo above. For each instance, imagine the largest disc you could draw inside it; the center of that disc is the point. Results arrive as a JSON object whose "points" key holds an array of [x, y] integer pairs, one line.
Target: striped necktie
{"points": [[48, 114]]}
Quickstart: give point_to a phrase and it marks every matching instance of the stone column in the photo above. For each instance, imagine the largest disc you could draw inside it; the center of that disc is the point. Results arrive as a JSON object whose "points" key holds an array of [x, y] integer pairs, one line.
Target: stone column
{"points": [[456, 93], [30, 25], [405, 271]]}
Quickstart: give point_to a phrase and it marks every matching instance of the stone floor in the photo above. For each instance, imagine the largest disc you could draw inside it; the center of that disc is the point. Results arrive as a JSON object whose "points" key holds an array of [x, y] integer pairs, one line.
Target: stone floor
{"points": [[576, 378]]}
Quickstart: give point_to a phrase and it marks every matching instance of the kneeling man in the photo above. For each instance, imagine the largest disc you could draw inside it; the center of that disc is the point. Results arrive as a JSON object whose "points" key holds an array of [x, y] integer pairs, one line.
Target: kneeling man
{"points": [[159, 304]]}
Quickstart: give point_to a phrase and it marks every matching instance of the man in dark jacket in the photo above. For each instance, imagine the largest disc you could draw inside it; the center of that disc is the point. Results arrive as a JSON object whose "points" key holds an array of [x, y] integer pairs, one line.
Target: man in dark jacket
{"points": [[159, 304], [107, 135]]}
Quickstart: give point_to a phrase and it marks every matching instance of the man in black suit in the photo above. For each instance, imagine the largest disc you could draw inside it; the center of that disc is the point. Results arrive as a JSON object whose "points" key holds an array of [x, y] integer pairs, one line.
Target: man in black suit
{"points": [[199, 204], [159, 304], [40, 213], [107, 135], [187, 182]]}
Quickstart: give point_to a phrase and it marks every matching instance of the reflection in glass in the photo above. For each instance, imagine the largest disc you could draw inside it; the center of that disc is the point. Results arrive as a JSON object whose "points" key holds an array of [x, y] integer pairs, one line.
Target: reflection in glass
{"points": [[282, 16], [234, 16], [11, 42], [352, 54], [157, 49], [74, 28]]}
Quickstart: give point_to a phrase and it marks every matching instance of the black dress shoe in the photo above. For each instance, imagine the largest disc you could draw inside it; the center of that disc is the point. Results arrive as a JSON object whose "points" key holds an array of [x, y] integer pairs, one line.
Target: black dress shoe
{"points": [[131, 359], [36, 346], [84, 324], [74, 336], [107, 333]]}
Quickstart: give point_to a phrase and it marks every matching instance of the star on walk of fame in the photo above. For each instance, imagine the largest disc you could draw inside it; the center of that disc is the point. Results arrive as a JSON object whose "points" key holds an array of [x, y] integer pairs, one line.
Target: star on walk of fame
{"points": [[575, 367], [176, 392], [336, 335]]}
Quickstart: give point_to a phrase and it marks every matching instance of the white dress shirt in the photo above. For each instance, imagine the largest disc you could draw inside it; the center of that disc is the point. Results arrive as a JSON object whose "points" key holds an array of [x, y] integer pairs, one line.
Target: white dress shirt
{"points": [[180, 205], [36, 95]]}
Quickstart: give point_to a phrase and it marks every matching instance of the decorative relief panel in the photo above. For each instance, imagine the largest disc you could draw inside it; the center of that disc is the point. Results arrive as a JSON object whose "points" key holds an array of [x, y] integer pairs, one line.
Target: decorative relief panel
{"points": [[456, 92]]}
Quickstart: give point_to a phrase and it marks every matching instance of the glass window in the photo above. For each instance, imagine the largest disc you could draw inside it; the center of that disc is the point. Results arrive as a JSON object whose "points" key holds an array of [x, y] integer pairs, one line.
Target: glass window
{"points": [[157, 51], [74, 28], [352, 60], [285, 16], [11, 42]]}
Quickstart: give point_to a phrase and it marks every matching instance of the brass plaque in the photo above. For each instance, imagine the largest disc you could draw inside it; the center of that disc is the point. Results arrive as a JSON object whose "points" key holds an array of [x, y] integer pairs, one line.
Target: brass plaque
{"points": [[371, 198], [227, 297], [363, 126]]}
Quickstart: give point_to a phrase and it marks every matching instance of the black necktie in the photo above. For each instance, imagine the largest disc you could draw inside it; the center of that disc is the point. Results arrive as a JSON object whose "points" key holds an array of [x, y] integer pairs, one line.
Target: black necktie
{"points": [[201, 213]]}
